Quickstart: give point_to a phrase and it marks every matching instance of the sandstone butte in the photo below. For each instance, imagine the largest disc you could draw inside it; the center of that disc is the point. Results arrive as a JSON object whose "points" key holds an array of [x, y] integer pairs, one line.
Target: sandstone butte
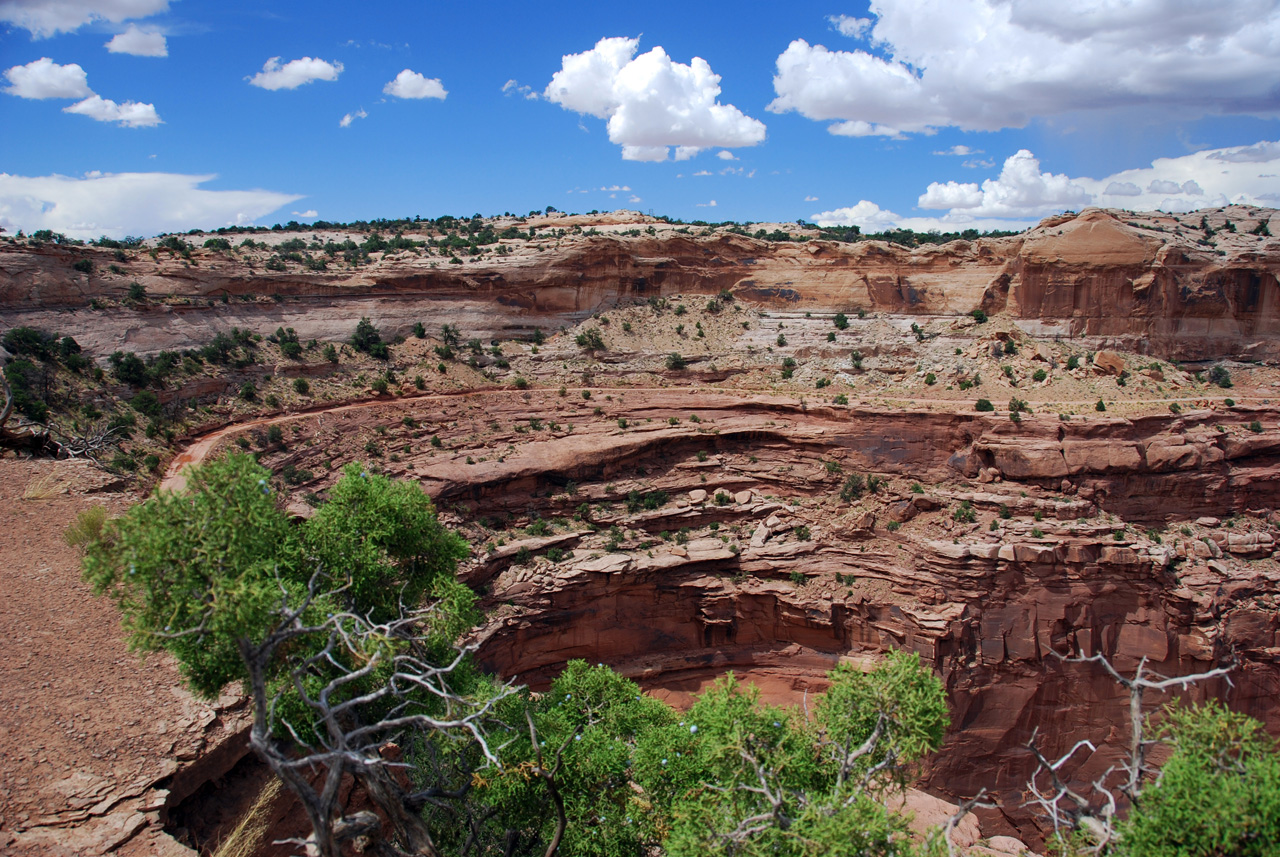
{"points": [[1139, 532]]}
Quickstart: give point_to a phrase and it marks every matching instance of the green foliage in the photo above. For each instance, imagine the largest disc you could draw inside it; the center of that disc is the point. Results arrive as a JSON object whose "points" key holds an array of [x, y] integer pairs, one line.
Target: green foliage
{"points": [[590, 339], [129, 368], [853, 487], [675, 362], [369, 340], [1073, 362], [385, 536], [26, 383], [29, 342], [301, 386], [984, 405], [1255, 426], [1220, 376], [841, 321], [1101, 406], [209, 559], [248, 391], [147, 404], [965, 513], [1039, 375], [195, 573], [1218, 794], [979, 316]]}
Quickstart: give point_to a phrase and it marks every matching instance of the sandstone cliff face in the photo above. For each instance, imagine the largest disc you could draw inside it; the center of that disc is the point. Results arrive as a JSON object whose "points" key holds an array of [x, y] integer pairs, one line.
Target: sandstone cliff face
{"points": [[1144, 282], [1088, 536]]}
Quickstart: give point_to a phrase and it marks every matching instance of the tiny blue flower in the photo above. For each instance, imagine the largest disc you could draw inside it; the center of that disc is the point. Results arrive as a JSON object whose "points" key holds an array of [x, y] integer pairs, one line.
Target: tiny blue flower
{"points": [[664, 761], [577, 737], [693, 728]]}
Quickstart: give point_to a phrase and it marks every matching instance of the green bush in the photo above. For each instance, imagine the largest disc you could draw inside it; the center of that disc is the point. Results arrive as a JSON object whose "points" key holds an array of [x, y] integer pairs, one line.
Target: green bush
{"points": [[248, 391], [1219, 792], [984, 405], [854, 486], [675, 362], [1220, 376], [590, 339], [147, 404]]}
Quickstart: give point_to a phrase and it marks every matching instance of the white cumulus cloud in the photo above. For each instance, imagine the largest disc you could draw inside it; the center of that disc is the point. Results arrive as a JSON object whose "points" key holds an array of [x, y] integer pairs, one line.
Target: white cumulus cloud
{"points": [[347, 119], [1022, 194], [131, 114], [44, 18], [991, 64], [122, 204], [1020, 191], [309, 214], [411, 84], [139, 43], [44, 78], [294, 73], [651, 102]]}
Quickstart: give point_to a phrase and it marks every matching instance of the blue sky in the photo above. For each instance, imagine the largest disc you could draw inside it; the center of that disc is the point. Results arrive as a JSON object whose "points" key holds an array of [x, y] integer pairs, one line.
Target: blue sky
{"points": [[137, 116]]}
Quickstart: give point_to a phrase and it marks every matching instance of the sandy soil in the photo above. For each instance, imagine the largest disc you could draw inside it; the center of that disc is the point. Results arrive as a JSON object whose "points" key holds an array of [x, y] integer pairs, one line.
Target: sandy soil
{"points": [[86, 726]]}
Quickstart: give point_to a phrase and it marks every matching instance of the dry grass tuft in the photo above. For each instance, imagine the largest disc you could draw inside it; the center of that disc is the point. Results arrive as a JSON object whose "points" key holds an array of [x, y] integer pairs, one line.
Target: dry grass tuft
{"points": [[246, 838], [45, 486]]}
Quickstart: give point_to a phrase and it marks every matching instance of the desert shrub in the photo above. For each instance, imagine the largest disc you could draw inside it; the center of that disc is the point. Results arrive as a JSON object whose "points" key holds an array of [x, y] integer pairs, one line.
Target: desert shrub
{"points": [[854, 486], [984, 405], [590, 339], [146, 403], [1220, 376]]}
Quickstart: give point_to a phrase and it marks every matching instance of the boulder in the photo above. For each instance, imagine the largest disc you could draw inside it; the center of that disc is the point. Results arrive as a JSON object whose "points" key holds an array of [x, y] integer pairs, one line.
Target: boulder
{"points": [[1108, 363]]}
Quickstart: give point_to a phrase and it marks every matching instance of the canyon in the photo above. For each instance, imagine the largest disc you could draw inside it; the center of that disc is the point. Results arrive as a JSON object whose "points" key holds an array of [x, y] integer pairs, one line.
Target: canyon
{"points": [[678, 520]]}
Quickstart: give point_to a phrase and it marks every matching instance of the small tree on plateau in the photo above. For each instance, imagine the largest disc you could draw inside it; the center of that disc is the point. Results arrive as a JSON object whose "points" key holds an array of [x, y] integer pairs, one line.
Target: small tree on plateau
{"points": [[590, 339]]}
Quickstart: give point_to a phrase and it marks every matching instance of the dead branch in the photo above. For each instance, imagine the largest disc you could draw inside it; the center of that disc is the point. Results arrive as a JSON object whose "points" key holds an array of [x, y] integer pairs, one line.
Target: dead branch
{"points": [[1096, 810]]}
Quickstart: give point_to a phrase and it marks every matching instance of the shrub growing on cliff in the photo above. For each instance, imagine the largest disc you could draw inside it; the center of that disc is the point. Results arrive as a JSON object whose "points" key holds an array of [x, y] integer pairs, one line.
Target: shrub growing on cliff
{"points": [[853, 487], [984, 405], [369, 340], [590, 339], [1220, 376]]}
